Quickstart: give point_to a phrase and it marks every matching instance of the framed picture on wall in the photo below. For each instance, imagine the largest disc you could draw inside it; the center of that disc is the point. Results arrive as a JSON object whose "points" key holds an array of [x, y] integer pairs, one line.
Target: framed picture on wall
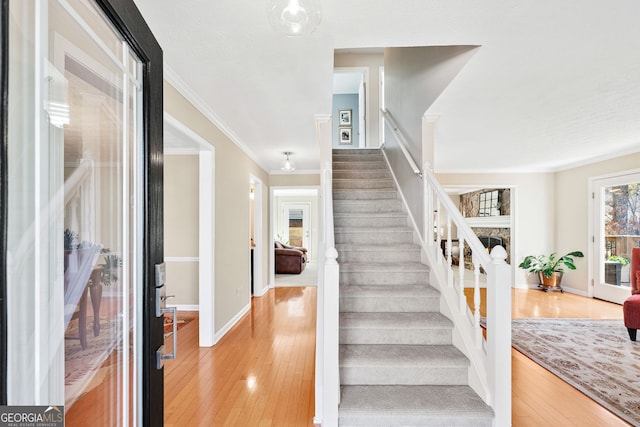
{"points": [[345, 135], [344, 117]]}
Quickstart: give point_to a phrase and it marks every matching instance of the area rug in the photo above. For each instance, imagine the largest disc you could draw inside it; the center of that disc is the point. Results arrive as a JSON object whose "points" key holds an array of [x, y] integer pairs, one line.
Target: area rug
{"points": [[83, 367], [168, 324], [86, 369], [594, 356]]}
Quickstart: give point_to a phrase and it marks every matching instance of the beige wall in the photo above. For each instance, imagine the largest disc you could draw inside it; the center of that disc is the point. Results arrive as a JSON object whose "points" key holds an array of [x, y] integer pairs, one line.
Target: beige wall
{"points": [[181, 205], [572, 213], [551, 212], [534, 211], [232, 172]]}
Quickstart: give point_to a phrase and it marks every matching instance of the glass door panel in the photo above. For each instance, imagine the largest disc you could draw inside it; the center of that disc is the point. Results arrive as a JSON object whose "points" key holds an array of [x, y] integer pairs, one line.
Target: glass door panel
{"points": [[617, 203], [75, 166]]}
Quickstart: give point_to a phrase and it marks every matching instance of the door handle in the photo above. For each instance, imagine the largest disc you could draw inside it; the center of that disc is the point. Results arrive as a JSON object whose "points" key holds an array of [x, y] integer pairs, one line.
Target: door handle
{"points": [[160, 356]]}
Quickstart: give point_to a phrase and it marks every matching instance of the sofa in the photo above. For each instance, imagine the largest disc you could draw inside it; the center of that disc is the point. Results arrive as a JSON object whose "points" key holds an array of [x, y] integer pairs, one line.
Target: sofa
{"points": [[289, 259]]}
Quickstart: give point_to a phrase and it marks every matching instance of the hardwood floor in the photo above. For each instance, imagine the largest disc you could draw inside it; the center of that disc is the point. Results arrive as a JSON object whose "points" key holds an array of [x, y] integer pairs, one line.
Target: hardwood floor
{"points": [[262, 372], [539, 397]]}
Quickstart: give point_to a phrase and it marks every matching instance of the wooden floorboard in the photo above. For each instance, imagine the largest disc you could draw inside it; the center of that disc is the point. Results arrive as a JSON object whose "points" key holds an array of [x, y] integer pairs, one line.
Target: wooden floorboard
{"points": [[539, 397], [262, 372]]}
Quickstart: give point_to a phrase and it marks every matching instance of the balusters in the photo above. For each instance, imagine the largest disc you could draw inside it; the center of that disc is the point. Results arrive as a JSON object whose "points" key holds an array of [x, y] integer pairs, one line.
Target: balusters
{"points": [[463, 300], [449, 256], [476, 302]]}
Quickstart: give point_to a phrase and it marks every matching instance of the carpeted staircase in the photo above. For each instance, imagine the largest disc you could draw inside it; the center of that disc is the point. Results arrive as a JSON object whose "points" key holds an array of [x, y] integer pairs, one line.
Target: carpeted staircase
{"points": [[397, 364]]}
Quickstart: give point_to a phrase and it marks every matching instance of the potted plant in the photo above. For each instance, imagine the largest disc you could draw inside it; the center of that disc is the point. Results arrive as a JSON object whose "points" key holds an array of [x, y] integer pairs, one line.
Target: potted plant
{"points": [[550, 268], [616, 270]]}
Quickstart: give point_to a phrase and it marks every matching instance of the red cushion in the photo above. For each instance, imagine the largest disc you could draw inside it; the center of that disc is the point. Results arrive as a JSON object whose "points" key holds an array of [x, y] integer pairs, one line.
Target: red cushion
{"points": [[631, 310]]}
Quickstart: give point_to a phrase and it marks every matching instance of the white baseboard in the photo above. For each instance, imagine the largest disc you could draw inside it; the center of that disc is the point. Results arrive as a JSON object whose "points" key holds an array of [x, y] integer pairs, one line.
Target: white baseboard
{"points": [[185, 307], [265, 289], [231, 323], [575, 291]]}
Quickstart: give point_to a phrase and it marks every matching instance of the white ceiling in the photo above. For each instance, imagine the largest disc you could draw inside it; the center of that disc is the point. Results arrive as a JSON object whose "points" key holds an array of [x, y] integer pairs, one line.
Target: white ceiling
{"points": [[554, 83]]}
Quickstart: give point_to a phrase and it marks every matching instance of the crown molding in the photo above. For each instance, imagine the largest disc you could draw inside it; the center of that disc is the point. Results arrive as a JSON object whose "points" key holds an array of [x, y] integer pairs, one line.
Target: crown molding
{"points": [[185, 90]]}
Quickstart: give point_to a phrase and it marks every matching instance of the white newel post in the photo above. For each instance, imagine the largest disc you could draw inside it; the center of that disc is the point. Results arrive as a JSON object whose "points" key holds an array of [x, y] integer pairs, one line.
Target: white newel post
{"points": [[499, 336], [331, 370]]}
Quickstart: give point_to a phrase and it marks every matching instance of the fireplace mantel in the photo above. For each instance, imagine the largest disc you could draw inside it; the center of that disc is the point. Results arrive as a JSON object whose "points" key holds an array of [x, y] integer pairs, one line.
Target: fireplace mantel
{"points": [[502, 221]]}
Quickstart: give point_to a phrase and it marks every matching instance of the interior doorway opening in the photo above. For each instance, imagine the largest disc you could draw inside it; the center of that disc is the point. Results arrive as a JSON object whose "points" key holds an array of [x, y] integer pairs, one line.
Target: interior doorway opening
{"points": [[294, 222], [189, 225]]}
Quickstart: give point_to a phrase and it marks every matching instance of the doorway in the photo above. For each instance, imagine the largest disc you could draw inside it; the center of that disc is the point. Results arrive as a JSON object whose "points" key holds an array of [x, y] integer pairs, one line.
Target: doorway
{"points": [[256, 231], [190, 242], [350, 107], [616, 230], [294, 219], [83, 222]]}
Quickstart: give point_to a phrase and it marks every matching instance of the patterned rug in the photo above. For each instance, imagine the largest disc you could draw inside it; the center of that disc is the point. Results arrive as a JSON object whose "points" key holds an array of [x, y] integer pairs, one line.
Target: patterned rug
{"points": [[86, 369], [83, 368], [594, 356]]}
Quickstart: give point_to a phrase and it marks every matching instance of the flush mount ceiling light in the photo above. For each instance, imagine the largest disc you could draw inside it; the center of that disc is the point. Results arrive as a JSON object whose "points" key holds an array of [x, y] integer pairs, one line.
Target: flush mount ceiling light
{"points": [[288, 165], [294, 17]]}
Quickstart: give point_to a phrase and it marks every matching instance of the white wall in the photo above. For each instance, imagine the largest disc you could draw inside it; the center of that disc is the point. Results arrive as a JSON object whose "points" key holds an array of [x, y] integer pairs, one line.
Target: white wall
{"points": [[414, 78]]}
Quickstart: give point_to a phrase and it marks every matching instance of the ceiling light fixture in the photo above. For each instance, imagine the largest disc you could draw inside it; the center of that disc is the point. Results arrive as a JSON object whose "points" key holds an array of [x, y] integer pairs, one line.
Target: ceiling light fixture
{"points": [[294, 17], [288, 165]]}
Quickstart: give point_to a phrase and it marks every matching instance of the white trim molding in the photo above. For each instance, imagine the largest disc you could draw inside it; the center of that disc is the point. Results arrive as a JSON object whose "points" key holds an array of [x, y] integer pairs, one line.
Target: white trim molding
{"points": [[231, 323], [185, 90]]}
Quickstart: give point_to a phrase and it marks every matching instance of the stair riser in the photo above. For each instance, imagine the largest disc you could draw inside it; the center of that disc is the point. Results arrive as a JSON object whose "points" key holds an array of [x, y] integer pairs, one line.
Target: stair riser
{"points": [[378, 256], [414, 375], [362, 184], [389, 305], [365, 194], [383, 278], [338, 165], [361, 174], [377, 237], [396, 336], [367, 206], [371, 221], [374, 157], [377, 419]]}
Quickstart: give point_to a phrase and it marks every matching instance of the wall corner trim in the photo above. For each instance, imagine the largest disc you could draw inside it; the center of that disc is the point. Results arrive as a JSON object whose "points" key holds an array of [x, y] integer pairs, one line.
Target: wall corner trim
{"points": [[231, 323]]}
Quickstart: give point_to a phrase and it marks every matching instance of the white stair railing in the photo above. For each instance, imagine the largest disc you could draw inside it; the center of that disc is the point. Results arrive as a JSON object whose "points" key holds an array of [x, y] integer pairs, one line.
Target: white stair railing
{"points": [[490, 358], [327, 370], [490, 375]]}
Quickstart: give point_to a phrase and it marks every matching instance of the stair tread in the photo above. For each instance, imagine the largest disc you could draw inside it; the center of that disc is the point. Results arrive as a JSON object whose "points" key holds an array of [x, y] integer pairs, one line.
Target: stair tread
{"points": [[401, 355], [390, 400], [369, 229], [370, 215], [391, 266], [361, 247], [389, 291], [385, 320]]}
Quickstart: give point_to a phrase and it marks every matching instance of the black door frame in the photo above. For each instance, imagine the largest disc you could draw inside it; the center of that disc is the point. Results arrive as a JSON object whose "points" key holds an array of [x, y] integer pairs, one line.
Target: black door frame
{"points": [[126, 18]]}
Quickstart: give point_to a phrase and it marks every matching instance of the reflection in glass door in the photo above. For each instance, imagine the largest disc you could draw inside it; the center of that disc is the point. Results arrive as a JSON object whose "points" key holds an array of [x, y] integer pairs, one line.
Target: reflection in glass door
{"points": [[74, 219], [617, 202]]}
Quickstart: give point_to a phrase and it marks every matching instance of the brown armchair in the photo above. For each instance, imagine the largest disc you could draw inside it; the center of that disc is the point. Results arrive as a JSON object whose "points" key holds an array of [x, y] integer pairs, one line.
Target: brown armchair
{"points": [[289, 259]]}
